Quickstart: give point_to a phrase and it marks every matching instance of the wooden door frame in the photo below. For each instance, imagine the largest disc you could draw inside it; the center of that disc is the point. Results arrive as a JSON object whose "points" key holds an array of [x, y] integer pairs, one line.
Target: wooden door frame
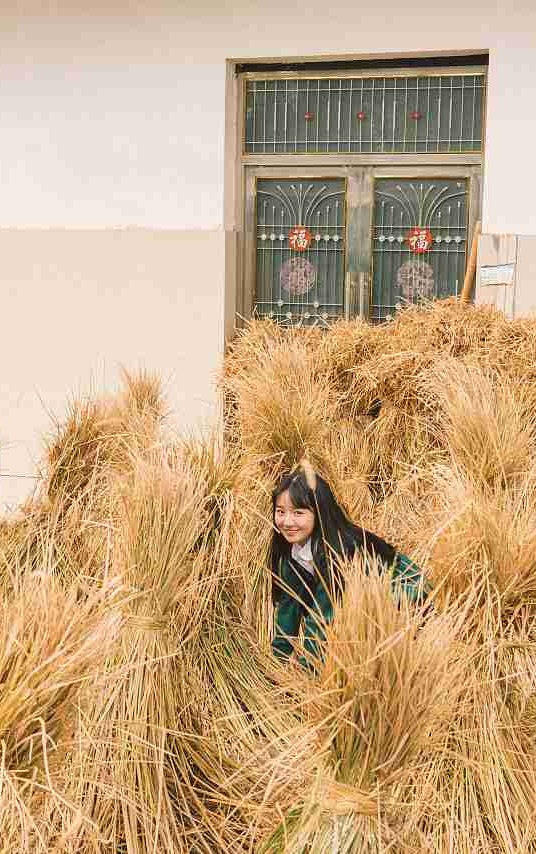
{"points": [[237, 297]]}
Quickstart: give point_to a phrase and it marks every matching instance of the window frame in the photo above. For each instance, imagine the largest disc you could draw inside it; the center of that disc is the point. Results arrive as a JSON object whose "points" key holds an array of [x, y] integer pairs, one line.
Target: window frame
{"points": [[240, 166]]}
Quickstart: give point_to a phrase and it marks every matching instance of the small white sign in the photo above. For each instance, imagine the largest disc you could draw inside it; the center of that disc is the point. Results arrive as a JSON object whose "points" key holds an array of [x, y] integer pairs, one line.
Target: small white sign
{"points": [[498, 274]]}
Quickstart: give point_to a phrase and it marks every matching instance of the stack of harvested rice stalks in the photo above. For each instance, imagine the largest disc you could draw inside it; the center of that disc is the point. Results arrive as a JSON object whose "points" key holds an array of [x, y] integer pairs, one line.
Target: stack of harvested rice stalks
{"points": [[140, 707]]}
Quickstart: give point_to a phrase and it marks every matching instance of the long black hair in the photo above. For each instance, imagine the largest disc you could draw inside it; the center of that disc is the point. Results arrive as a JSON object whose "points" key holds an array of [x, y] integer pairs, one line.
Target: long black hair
{"points": [[334, 534]]}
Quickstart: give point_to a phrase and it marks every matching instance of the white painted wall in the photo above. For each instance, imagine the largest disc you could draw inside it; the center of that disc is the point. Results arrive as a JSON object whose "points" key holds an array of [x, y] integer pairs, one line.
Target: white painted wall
{"points": [[509, 183], [114, 118], [118, 119]]}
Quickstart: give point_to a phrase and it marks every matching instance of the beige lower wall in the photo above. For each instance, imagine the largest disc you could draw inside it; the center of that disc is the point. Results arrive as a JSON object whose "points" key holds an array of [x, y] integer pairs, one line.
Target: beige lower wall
{"points": [[525, 297], [77, 304], [512, 258]]}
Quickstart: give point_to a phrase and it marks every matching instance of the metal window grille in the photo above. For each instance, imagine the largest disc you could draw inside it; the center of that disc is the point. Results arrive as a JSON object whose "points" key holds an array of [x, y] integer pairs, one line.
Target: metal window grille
{"points": [[300, 286], [402, 275], [402, 114]]}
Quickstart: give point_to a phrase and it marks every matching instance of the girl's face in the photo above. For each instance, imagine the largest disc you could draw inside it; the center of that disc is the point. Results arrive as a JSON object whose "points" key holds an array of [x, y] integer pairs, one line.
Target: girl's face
{"points": [[296, 524]]}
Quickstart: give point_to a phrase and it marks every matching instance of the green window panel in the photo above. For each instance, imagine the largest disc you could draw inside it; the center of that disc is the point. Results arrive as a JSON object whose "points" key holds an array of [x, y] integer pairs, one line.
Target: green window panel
{"points": [[296, 285], [405, 114], [403, 276]]}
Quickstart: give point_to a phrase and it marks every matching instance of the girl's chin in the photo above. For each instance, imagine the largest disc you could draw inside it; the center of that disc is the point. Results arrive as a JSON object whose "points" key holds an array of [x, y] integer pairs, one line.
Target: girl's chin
{"points": [[295, 539]]}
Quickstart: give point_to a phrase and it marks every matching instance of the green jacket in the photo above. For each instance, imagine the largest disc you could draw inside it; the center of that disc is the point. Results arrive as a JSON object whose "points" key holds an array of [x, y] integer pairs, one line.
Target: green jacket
{"points": [[305, 599]]}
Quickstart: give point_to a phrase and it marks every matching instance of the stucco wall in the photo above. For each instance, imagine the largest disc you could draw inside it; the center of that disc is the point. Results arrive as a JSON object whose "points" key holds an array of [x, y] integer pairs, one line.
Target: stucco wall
{"points": [[117, 118], [506, 273], [77, 304], [112, 173]]}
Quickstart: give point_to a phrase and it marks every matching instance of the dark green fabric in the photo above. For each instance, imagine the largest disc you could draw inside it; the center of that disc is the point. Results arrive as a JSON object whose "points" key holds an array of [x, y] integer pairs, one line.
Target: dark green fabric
{"points": [[408, 579], [290, 614], [305, 599]]}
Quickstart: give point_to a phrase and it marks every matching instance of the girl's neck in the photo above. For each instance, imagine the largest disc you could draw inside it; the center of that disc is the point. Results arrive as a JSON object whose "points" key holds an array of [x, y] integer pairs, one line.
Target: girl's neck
{"points": [[303, 543]]}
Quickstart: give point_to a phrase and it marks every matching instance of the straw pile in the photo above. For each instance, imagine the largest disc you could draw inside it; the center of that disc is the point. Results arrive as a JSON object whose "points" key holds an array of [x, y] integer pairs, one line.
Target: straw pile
{"points": [[140, 707]]}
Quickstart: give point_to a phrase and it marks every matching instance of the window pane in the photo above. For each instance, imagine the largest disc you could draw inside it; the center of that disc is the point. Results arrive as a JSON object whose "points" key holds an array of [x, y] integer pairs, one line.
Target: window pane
{"points": [[300, 271], [432, 264], [429, 114]]}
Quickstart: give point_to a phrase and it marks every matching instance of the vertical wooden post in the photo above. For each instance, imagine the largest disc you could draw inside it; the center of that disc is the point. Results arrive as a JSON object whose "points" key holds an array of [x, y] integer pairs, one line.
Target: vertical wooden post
{"points": [[465, 295]]}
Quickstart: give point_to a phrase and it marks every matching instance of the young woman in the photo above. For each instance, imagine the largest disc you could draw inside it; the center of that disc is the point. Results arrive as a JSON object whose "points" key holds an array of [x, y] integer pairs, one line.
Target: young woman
{"points": [[311, 532]]}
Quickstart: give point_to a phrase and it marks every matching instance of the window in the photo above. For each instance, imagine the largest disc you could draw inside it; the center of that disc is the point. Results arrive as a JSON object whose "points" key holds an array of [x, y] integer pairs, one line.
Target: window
{"points": [[405, 115], [362, 188]]}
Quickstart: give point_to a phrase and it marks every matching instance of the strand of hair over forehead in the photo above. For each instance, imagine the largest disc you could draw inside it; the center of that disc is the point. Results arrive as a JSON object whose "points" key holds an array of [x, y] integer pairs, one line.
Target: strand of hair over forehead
{"points": [[305, 466], [310, 475]]}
